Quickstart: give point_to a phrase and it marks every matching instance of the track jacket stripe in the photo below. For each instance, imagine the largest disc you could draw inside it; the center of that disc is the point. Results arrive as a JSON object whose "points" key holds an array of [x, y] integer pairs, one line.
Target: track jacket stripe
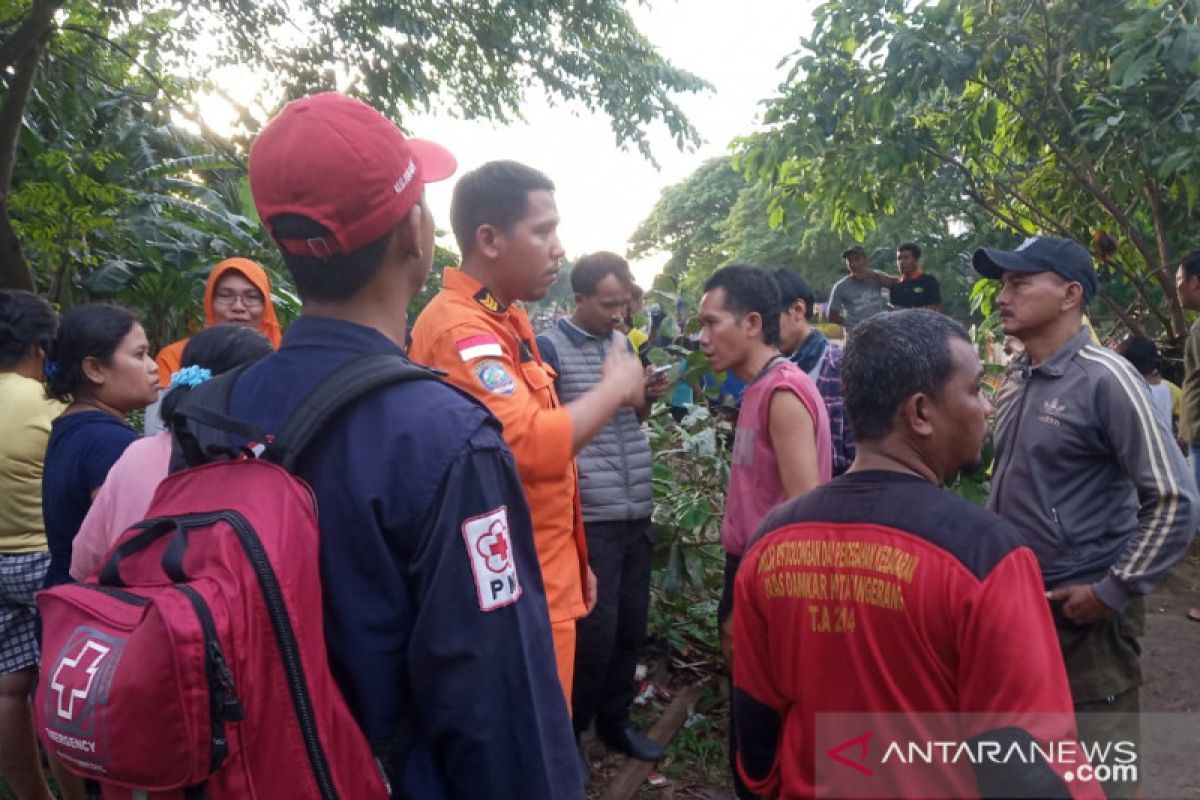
{"points": [[1165, 513]]}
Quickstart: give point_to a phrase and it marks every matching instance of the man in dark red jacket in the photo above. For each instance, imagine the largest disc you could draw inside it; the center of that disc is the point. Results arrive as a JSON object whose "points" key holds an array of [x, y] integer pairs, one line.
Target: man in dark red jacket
{"points": [[881, 594]]}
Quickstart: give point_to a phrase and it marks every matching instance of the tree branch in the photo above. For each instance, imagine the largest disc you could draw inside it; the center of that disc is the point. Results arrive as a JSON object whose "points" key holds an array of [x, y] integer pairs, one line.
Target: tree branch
{"points": [[205, 131], [1084, 175], [1048, 222], [1138, 281], [1165, 279], [1130, 322], [14, 269], [29, 32], [973, 191]]}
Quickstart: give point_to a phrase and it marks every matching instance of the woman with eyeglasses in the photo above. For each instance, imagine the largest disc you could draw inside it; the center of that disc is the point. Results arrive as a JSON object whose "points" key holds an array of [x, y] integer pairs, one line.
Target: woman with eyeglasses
{"points": [[238, 292]]}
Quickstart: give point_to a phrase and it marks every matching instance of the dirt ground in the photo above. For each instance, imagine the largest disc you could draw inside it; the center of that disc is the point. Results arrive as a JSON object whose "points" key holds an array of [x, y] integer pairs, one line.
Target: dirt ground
{"points": [[1170, 659], [1171, 694], [1171, 648]]}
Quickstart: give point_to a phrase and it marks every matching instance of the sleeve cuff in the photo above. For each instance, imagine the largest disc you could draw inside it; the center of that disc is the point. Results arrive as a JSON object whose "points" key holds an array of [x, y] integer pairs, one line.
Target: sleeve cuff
{"points": [[1112, 592], [554, 441]]}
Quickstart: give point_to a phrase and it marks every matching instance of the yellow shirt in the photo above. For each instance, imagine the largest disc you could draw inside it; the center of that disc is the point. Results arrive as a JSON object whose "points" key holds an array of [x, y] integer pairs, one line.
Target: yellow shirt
{"points": [[637, 337], [24, 431]]}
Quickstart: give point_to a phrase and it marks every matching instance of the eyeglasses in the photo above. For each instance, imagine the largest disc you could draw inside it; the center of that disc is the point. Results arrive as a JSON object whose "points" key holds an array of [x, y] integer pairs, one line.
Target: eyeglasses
{"points": [[227, 297]]}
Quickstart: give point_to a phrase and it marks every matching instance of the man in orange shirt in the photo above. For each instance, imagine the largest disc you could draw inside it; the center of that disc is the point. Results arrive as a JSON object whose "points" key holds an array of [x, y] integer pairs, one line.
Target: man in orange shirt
{"points": [[505, 220]]}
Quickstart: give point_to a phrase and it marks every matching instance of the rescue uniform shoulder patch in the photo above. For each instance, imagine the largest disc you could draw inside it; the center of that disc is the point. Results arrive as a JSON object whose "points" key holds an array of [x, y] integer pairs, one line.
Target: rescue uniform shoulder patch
{"points": [[494, 377], [488, 300], [492, 563]]}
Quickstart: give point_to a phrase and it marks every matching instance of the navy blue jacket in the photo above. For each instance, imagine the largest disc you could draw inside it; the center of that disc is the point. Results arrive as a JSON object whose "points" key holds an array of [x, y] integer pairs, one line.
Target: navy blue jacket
{"points": [[398, 478]]}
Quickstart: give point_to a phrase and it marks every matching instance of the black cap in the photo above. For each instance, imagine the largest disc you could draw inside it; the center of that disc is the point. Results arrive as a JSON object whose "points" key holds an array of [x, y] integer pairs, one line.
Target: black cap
{"points": [[854, 250], [1066, 258]]}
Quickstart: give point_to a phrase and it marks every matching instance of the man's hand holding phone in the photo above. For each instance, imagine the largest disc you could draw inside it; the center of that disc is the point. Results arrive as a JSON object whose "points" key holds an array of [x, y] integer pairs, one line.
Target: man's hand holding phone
{"points": [[657, 380]]}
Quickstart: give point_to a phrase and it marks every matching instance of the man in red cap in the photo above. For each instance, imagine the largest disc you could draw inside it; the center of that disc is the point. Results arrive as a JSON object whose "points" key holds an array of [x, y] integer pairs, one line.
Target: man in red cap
{"points": [[450, 672]]}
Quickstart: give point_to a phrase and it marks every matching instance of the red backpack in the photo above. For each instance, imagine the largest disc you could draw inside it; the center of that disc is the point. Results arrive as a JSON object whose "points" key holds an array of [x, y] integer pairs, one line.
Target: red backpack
{"points": [[194, 664]]}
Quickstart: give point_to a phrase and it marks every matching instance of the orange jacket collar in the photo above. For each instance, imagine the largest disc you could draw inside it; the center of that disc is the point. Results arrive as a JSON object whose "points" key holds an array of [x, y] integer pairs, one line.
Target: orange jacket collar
{"points": [[455, 280]]}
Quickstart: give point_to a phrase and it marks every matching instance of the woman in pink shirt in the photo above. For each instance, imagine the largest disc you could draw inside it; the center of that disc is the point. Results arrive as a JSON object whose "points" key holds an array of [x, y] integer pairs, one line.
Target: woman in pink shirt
{"points": [[130, 485]]}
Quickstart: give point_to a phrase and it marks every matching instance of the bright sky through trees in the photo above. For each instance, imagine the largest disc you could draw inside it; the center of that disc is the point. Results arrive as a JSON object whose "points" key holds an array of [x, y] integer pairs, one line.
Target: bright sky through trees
{"points": [[604, 191]]}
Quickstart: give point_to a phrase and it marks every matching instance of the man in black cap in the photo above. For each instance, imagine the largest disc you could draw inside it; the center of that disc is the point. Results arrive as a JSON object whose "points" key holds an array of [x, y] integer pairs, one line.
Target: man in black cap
{"points": [[858, 295], [1088, 475]]}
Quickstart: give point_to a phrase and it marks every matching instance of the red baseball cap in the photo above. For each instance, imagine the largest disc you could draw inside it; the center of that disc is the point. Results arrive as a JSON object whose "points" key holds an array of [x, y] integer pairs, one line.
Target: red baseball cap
{"points": [[340, 163]]}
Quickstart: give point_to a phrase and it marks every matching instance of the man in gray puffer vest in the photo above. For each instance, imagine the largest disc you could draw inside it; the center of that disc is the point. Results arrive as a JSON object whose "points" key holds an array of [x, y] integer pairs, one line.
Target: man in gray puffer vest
{"points": [[616, 493]]}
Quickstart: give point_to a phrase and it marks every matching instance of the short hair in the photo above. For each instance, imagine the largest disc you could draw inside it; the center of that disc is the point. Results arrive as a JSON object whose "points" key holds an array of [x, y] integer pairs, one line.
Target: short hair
{"points": [[26, 320], [749, 289], [792, 288], [495, 194], [911, 247], [1141, 352], [340, 275], [217, 349], [1191, 264], [889, 358], [589, 270], [94, 331]]}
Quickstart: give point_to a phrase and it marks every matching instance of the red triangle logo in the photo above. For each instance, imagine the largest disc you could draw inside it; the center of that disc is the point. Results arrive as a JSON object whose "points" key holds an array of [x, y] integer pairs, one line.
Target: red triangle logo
{"points": [[858, 746]]}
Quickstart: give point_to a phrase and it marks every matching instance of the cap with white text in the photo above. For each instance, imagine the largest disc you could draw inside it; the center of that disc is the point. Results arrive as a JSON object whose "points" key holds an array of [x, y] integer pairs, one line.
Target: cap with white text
{"points": [[340, 163]]}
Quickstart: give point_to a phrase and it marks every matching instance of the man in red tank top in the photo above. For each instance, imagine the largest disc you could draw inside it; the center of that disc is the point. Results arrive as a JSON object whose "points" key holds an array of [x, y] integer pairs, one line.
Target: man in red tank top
{"points": [[781, 446]]}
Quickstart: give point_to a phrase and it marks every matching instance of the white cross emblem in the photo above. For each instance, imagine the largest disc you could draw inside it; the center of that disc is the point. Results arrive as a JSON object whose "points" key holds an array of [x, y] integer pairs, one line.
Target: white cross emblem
{"points": [[67, 685]]}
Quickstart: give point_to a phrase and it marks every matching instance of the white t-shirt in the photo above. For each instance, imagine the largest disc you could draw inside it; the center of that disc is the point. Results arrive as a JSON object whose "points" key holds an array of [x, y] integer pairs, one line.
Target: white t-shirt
{"points": [[1160, 398]]}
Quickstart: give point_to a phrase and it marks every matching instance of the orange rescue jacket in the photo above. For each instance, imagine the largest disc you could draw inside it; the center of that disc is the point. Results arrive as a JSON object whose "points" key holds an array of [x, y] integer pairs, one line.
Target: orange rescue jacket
{"points": [[490, 351]]}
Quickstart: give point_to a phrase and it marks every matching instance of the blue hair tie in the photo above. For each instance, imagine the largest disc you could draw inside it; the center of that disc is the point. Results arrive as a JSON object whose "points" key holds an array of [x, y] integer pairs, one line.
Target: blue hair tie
{"points": [[49, 368], [191, 377]]}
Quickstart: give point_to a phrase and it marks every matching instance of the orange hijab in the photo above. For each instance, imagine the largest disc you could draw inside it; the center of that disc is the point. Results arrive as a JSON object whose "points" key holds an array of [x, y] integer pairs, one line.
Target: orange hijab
{"points": [[170, 357]]}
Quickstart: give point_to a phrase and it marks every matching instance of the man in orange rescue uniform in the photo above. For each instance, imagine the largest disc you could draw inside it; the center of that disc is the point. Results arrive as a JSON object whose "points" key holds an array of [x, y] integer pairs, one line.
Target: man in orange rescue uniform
{"points": [[505, 220]]}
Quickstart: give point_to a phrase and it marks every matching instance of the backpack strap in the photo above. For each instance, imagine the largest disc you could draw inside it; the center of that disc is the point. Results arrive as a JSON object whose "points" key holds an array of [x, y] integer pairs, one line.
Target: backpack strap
{"points": [[200, 426], [341, 388]]}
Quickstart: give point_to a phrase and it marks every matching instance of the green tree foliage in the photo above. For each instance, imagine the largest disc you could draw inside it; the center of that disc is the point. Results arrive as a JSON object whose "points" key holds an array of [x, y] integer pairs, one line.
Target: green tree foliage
{"points": [[686, 221], [111, 200], [460, 57], [1049, 124], [715, 217], [477, 59]]}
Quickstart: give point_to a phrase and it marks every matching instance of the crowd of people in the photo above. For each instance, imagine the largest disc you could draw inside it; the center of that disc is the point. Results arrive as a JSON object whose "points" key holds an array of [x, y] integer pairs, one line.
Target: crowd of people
{"points": [[486, 537]]}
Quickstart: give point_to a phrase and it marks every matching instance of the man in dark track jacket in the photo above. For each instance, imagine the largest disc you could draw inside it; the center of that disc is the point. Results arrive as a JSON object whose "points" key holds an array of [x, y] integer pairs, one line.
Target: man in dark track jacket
{"points": [[1088, 474]]}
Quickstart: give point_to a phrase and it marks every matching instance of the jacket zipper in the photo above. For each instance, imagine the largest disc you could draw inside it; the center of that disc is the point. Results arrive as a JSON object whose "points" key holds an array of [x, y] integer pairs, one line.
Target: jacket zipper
{"points": [[223, 703], [285, 636], [1013, 450]]}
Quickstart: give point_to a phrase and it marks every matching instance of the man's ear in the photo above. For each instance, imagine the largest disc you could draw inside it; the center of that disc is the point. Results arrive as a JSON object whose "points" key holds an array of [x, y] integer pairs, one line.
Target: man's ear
{"points": [[801, 308], [916, 412], [488, 240], [407, 233], [754, 323], [1074, 296]]}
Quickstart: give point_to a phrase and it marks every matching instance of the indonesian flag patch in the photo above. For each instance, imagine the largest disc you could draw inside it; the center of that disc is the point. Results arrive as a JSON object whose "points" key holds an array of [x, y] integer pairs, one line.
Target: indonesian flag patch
{"points": [[492, 563], [480, 346]]}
